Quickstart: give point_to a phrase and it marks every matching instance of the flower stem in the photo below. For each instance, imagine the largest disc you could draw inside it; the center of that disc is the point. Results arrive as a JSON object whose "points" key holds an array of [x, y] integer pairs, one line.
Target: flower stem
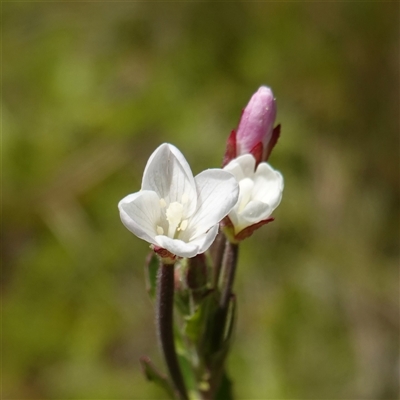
{"points": [[165, 303], [218, 347], [228, 276], [229, 270], [218, 252]]}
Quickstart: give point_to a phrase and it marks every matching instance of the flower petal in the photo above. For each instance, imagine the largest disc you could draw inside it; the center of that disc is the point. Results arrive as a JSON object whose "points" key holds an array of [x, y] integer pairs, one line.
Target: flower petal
{"points": [[206, 240], [169, 175], [217, 193], [268, 185], [248, 164], [235, 169], [177, 246], [242, 166], [140, 212], [254, 212]]}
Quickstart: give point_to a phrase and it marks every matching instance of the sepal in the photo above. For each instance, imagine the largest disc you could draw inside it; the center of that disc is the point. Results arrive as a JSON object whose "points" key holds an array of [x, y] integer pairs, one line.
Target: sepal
{"points": [[229, 229], [246, 232], [166, 256], [257, 152], [230, 151], [273, 141]]}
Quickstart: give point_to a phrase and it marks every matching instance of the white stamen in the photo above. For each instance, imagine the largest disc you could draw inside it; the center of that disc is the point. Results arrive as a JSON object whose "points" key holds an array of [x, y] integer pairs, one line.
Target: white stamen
{"points": [[174, 215], [163, 203], [160, 230], [183, 225]]}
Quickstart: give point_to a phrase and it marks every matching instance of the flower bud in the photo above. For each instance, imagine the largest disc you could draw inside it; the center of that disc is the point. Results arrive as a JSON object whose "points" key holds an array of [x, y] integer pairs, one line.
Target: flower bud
{"points": [[257, 122], [196, 274]]}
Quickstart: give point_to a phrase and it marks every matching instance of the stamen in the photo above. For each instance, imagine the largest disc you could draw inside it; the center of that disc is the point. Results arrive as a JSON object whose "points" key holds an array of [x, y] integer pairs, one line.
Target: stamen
{"points": [[174, 215], [160, 230], [183, 225], [163, 203]]}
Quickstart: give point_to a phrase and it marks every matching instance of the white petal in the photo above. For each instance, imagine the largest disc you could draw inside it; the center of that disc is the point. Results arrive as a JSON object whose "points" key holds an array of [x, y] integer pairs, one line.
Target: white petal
{"points": [[235, 169], [256, 211], [140, 213], [248, 164], [242, 166], [168, 174], [217, 193], [268, 185], [234, 216], [246, 186], [206, 240], [177, 247]]}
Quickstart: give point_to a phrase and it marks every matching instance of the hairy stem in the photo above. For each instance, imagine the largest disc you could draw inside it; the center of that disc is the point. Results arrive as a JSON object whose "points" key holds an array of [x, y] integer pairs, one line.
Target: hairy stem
{"points": [[165, 303]]}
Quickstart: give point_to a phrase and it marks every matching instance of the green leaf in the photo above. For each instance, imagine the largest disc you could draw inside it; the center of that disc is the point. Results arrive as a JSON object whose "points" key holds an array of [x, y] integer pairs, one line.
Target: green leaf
{"points": [[196, 323], [188, 375], [152, 374], [193, 325], [182, 302]]}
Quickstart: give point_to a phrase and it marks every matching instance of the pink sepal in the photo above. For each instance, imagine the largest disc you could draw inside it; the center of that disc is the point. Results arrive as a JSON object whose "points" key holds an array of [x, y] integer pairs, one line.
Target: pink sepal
{"points": [[273, 141], [246, 232], [227, 226], [230, 151], [257, 152]]}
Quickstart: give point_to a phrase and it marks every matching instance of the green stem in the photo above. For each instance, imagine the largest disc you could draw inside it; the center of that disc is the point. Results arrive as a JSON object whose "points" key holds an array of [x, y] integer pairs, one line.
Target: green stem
{"points": [[165, 303]]}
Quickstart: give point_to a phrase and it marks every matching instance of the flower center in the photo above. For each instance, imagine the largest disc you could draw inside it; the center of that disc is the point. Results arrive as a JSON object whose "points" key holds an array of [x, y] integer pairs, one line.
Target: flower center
{"points": [[175, 217]]}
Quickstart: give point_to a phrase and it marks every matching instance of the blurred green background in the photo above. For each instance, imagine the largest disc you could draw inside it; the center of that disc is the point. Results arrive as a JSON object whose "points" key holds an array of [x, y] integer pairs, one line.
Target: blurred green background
{"points": [[91, 89]]}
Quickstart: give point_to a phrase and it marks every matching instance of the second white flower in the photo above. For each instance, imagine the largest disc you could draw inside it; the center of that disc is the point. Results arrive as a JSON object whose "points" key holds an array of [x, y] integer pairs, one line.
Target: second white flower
{"points": [[260, 191]]}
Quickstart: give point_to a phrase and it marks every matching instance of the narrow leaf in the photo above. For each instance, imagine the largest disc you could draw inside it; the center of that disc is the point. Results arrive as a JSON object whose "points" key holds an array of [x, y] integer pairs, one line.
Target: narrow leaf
{"points": [[152, 374]]}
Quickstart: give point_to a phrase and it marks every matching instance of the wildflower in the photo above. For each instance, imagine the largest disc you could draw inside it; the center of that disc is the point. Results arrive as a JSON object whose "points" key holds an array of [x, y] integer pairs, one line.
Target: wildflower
{"points": [[260, 193], [175, 211]]}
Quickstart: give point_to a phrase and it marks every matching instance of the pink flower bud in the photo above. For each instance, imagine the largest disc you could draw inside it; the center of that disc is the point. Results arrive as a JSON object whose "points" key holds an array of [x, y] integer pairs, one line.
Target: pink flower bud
{"points": [[256, 134], [257, 122]]}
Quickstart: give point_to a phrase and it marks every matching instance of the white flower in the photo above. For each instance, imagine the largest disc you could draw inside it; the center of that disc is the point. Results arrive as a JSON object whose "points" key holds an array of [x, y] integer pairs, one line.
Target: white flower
{"points": [[260, 191], [175, 211]]}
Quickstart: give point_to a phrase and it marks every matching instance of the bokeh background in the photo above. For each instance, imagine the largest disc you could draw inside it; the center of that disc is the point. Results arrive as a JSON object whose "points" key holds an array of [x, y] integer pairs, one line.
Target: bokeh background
{"points": [[91, 89]]}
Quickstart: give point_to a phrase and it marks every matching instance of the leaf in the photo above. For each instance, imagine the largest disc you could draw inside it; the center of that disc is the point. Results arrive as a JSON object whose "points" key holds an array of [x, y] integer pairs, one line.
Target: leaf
{"points": [[152, 374], [197, 322], [193, 325], [188, 374]]}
